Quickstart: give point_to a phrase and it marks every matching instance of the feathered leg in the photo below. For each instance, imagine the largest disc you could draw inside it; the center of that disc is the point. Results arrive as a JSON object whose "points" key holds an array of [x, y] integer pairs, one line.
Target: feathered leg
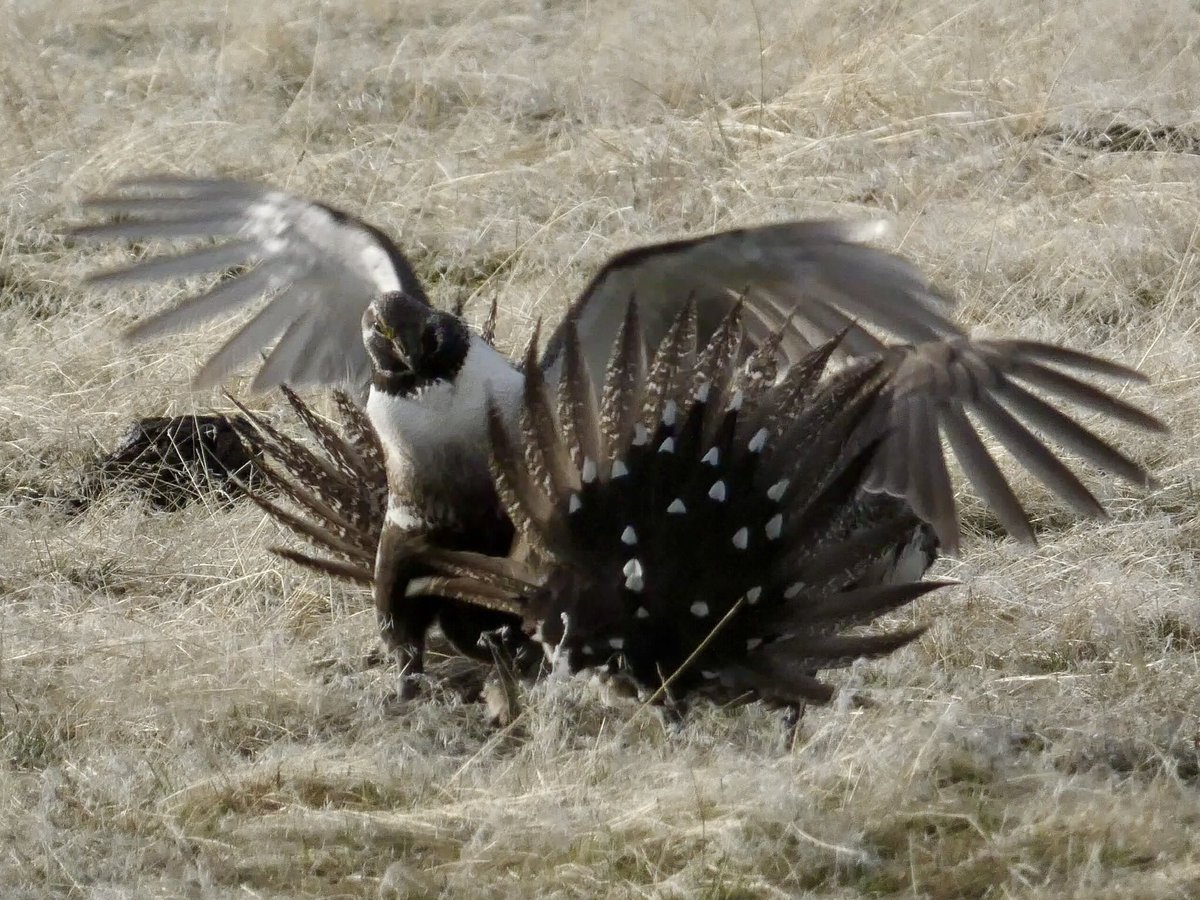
{"points": [[403, 621]]}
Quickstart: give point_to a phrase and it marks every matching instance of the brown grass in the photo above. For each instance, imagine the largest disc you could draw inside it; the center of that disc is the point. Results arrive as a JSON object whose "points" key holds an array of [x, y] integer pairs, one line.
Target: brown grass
{"points": [[181, 716]]}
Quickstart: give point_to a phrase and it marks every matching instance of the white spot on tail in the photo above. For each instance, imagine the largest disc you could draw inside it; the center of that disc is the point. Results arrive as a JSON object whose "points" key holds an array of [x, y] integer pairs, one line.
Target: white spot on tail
{"points": [[589, 470], [753, 643], [702, 392], [619, 469], [669, 412], [793, 590], [775, 491], [712, 457], [574, 504], [677, 508], [634, 575], [717, 491], [667, 446], [759, 440], [753, 595], [774, 527], [642, 613], [741, 538], [699, 609], [617, 643], [640, 435], [628, 536], [736, 403]]}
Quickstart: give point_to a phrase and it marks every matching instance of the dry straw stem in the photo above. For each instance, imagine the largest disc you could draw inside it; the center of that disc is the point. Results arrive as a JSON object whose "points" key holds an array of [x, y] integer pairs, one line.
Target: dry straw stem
{"points": [[182, 716]]}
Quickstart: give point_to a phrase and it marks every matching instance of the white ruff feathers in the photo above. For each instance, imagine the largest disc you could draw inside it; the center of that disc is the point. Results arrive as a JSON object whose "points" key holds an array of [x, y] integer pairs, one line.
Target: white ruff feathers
{"points": [[447, 412]]}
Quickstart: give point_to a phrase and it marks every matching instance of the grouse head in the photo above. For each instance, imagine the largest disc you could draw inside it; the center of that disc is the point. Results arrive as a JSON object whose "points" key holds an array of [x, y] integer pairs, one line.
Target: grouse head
{"points": [[411, 345]]}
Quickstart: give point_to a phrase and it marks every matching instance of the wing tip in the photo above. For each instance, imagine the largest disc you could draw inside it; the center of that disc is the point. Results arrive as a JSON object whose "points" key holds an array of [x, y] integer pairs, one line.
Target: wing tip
{"points": [[94, 231], [143, 330], [1154, 424]]}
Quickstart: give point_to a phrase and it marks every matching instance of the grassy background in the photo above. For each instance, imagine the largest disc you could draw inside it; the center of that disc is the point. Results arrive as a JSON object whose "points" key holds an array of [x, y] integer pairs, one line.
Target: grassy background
{"points": [[181, 716]]}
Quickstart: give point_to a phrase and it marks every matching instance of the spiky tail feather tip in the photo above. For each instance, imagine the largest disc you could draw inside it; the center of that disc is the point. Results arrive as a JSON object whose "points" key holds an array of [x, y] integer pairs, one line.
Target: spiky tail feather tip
{"points": [[340, 493]]}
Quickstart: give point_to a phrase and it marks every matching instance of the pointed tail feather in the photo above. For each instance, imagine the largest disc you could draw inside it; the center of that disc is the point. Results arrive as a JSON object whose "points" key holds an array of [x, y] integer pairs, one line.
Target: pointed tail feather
{"points": [[340, 489]]}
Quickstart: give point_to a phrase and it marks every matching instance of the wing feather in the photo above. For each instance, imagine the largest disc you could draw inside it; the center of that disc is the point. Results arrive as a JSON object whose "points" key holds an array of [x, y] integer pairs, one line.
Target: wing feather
{"points": [[818, 276], [287, 355], [934, 383], [248, 340], [932, 492], [319, 267], [223, 297], [1086, 395], [981, 470], [208, 224], [204, 261], [1072, 435], [1037, 457]]}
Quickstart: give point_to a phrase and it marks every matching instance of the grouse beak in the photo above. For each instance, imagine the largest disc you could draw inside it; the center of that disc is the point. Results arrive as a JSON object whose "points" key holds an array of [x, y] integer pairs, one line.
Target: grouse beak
{"points": [[401, 354], [398, 323]]}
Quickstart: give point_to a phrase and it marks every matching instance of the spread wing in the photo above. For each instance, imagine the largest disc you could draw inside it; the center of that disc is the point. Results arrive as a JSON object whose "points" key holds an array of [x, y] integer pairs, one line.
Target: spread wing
{"points": [[933, 385], [804, 282], [318, 267], [812, 280]]}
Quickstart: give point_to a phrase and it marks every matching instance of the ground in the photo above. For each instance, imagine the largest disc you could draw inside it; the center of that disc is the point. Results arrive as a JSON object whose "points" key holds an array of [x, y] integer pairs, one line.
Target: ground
{"points": [[181, 715]]}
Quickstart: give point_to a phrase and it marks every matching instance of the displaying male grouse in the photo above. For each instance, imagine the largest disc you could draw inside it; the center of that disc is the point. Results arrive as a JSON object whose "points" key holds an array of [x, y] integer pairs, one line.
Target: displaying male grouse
{"points": [[721, 549], [344, 307]]}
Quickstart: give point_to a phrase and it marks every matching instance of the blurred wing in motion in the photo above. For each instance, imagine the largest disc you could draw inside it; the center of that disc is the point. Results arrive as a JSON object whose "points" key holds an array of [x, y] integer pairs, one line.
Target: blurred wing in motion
{"points": [[807, 280], [319, 267], [934, 384]]}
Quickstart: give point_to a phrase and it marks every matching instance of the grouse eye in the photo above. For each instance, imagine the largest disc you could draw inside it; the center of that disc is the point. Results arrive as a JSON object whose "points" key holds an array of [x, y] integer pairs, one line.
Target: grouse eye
{"points": [[431, 340]]}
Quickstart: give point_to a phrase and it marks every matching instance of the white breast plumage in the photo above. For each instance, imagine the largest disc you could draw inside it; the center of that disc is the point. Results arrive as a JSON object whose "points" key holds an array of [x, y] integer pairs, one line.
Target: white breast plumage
{"points": [[447, 412]]}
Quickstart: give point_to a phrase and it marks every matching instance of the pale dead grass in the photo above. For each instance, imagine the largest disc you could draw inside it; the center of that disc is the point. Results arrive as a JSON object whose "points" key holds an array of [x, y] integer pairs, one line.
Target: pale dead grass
{"points": [[182, 716]]}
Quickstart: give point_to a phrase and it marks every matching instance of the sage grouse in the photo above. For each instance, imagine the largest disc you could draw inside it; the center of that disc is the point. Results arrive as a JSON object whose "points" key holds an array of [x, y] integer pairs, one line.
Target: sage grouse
{"points": [[345, 308], [704, 527]]}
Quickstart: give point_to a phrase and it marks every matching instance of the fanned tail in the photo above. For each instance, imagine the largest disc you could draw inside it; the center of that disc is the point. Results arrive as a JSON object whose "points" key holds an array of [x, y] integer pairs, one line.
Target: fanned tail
{"points": [[718, 551]]}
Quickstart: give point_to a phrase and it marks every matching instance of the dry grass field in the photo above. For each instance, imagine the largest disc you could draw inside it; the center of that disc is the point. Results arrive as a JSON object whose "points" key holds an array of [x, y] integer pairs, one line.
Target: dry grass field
{"points": [[183, 716]]}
